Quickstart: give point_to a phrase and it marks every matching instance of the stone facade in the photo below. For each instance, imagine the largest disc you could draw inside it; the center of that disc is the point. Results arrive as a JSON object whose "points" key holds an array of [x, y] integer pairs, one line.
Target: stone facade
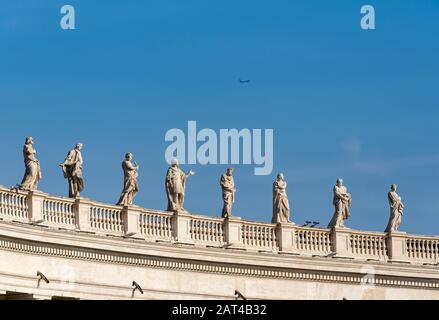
{"points": [[90, 250]]}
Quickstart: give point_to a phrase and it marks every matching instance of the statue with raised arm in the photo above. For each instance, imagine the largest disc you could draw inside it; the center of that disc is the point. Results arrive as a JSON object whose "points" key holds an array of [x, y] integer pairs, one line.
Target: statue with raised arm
{"points": [[130, 186], [228, 187], [72, 169], [176, 186], [342, 203], [33, 170], [396, 209], [281, 205]]}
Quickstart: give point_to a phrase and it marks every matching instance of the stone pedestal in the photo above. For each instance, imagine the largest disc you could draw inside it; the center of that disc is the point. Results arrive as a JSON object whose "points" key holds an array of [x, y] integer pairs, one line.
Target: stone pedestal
{"points": [[397, 247], [286, 238], [82, 211], [233, 232], [341, 244], [131, 219], [35, 204], [181, 225]]}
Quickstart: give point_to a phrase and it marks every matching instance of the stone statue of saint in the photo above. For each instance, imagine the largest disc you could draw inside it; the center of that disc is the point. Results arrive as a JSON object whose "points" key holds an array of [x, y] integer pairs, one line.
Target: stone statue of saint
{"points": [[228, 186], [72, 169], [342, 203], [396, 209], [130, 187], [176, 186], [33, 171], [281, 205]]}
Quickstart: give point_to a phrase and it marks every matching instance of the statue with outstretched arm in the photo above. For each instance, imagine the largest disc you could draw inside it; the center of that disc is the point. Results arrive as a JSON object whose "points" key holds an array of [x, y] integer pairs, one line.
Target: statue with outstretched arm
{"points": [[176, 186]]}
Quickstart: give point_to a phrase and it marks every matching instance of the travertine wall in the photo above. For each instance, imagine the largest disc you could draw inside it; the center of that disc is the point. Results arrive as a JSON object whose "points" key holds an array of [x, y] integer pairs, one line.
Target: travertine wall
{"points": [[92, 250], [95, 267]]}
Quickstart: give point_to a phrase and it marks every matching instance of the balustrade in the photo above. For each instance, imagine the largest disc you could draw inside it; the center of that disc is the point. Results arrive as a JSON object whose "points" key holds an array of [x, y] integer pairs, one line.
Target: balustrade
{"points": [[313, 241], [13, 205], [156, 225], [206, 230], [86, 215]]}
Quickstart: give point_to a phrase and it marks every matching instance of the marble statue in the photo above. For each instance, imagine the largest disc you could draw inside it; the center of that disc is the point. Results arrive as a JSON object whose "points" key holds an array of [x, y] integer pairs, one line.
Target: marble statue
{"points": [[72, 169], [396, 209], [342, 203], [130, 187], [176, 186], [33, 170], [228, 187], [281, 205]]}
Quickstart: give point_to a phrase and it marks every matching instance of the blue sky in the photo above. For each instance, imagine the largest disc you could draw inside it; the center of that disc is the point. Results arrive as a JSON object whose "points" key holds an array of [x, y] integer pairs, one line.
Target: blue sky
{"points": [[343, 102]]}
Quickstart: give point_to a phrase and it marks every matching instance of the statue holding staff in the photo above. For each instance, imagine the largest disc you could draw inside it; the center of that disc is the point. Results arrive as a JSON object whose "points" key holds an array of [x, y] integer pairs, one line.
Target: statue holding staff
{"points": [[396, 209], [342, 203], [72, 169], [33, 170], [281, 205], [131, 187], [176, 186], [228, 187]]}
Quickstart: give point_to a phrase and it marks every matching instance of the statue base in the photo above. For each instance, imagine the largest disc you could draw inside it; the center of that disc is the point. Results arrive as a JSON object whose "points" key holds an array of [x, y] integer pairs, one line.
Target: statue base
{"points": [[341, 243], [233, 234], [285, 234], [397, 247]]}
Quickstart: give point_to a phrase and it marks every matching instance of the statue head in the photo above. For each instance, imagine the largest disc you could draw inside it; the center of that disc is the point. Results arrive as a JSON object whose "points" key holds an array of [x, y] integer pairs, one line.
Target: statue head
{"points": [[29, 140], [280, 176], [339, 182], [174, 163], [230, 171], [393, 187], [129, 156], [79, 146]]}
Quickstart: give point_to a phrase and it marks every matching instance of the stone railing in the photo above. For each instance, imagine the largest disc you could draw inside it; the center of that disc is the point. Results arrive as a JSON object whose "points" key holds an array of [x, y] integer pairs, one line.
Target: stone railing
{"points": [[84, 215], [371, 245], [259, 236], [313, 241], [13, 205], [59, 212], [156, 225], [422, 248], [205, 230]]}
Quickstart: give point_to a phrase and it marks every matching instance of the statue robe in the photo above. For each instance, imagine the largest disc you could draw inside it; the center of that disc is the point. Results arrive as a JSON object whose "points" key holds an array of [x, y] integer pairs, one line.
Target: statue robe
{"points": [[131, 186], [342, 204], [228, 187], [281, 205], [396, 211], [175, 188], [72, 168], [33, 171]]}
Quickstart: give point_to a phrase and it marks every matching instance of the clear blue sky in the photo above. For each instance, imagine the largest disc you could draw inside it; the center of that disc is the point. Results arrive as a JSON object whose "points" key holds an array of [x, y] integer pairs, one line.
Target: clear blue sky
{"points": [[362, 105]]}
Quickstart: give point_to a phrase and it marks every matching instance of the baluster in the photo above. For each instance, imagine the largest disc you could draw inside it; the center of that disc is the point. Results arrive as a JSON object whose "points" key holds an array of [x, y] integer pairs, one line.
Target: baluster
{"points": [[363, 245], [417, 248], [101, 217], [159, 226], [305, 240], [434, 250], [151, 224], [429, 250]]}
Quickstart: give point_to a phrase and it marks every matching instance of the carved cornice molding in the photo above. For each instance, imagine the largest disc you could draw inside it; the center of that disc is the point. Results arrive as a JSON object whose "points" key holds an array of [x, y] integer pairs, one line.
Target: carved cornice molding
{"points": [[26, 246]]}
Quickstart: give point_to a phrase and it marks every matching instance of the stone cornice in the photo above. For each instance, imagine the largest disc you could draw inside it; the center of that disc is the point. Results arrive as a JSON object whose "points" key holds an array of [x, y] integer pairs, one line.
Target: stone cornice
{"points": [[36, 240]]}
